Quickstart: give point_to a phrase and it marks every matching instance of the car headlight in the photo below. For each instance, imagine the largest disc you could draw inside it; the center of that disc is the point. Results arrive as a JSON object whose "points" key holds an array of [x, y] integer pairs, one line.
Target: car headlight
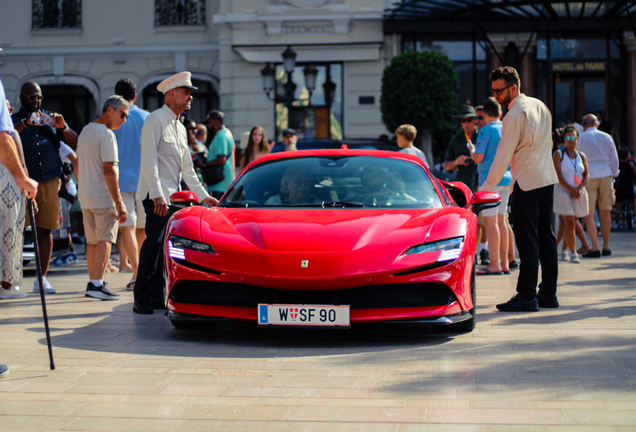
{"points": [[177, 245], [451, 248]]}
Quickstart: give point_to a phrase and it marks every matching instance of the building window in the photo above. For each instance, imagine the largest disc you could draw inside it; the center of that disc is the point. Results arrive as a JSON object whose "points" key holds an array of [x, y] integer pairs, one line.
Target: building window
{"points": [[179, 12], [318, 116], [57, 14]]}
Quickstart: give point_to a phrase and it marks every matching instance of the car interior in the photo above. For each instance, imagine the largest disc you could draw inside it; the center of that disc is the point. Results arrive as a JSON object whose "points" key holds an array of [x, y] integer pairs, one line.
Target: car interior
{"points": [[354, 182]]}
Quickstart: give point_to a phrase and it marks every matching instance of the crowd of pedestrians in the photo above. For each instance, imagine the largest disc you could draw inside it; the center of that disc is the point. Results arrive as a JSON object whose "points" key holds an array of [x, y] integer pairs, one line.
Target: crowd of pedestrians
{"points": [[129, 162]]}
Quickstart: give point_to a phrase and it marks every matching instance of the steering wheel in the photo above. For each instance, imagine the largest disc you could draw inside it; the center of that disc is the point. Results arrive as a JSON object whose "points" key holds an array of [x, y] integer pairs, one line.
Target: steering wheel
{"points": [[384, 186]]}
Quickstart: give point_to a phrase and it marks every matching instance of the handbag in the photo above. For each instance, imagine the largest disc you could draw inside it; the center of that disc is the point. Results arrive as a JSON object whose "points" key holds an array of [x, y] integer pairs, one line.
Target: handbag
{"points": [[214, 174]]}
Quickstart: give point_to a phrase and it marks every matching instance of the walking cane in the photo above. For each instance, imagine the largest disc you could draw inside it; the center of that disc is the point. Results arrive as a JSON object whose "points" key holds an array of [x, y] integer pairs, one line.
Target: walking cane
{"points": [[39, 276]]}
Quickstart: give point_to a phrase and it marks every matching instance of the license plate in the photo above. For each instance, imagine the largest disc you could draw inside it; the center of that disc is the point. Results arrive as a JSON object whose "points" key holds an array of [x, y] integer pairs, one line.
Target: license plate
{"points": [[303, 315]]}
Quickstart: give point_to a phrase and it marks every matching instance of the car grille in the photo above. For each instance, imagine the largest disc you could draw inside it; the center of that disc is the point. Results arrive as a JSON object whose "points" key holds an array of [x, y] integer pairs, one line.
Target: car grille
{"points": [[368, 297]]}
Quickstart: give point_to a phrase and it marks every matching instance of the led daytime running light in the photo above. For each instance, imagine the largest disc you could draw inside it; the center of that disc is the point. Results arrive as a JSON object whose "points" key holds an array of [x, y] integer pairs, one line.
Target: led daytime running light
{"points": [[451, 248], [177, 243]]}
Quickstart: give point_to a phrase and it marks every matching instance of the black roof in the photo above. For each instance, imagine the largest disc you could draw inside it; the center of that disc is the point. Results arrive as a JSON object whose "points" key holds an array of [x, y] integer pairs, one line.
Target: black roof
{"points": [[508, 15]]}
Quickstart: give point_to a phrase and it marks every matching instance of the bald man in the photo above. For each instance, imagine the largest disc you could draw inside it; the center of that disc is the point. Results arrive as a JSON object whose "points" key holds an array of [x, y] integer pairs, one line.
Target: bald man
{"points": [[41, 142]]}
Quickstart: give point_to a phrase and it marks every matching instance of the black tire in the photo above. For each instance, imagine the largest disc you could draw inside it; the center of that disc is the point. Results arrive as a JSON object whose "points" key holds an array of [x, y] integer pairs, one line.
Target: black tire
{"points": [[468, 325]]}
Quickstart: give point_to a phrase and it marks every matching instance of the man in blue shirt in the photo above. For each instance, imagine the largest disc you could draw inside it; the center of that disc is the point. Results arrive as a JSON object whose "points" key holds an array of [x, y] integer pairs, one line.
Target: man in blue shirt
{"points": [[221, 152], [483, 153], [128, 137]]}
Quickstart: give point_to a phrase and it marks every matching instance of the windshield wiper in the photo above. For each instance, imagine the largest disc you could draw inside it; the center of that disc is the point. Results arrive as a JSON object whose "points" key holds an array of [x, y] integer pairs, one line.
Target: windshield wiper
{"points": [[343, 204]]}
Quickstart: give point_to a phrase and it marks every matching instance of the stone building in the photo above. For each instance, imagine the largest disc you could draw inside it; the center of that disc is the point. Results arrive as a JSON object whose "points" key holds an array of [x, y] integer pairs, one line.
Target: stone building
{"points": [[77, 50]]}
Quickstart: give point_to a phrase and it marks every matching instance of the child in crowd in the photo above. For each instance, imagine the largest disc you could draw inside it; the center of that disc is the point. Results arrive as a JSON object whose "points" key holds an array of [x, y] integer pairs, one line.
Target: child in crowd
{"points": [[405, 136]]}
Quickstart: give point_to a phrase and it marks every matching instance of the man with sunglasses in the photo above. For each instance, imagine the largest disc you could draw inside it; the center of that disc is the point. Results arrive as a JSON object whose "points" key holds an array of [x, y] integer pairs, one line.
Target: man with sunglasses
{"points": [[41, 143], [457, 156], [98, 186], [526, 146]]}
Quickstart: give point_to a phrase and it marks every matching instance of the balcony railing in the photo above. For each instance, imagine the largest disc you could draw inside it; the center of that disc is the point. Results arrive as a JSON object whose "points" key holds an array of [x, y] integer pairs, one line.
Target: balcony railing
{"points": [[57, 14], [179, 12]]}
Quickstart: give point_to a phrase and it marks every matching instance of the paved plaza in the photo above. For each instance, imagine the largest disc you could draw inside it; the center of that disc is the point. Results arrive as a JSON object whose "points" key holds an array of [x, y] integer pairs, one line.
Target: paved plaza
{"points": [[567, 369]]}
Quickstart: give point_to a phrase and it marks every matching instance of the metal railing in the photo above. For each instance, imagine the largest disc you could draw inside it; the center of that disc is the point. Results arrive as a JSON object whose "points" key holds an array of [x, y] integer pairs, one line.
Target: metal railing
{"points": [[179, 12], [57, 14]]}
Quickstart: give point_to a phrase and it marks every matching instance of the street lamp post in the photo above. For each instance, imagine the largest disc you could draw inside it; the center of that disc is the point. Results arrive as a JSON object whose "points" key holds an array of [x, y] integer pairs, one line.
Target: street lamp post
{"points": [[310, 72]]}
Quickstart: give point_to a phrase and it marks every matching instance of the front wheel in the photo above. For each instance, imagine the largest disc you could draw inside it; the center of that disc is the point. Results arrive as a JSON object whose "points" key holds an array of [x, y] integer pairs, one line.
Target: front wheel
{"points": [[468, 325]]}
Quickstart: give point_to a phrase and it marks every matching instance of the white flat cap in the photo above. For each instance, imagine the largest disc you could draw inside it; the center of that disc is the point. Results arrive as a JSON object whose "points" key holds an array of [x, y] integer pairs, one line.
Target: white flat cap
{"points": [[182, 79]]}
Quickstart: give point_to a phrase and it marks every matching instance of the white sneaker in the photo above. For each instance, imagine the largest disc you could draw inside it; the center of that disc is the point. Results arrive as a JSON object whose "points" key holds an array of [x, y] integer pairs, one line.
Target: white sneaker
{"points": [[11, 293], [574, 258], [48, 289], [564, 255]]}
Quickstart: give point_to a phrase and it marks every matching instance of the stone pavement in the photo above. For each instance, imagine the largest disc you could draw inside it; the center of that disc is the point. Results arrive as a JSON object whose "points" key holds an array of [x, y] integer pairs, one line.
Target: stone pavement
{"points": [[569, 369]]}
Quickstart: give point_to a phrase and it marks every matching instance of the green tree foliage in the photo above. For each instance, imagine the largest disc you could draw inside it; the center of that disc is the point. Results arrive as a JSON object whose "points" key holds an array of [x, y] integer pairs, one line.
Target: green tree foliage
{"points": [[420, 88]]}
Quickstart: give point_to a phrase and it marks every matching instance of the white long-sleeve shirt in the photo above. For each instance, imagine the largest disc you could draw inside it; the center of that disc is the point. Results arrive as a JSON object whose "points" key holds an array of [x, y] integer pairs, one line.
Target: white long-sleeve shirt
{"points": [[165, 157], [599, 147], [526, 145]]}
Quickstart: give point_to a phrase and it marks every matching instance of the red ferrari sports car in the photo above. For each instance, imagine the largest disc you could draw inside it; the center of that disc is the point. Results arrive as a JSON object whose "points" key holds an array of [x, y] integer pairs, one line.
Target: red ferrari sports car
{"points": [[327, 238]]}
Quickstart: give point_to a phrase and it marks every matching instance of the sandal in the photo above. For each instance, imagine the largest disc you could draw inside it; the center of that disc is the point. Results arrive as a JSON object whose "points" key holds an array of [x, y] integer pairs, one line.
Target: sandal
{"points": [[130, 286], [486, 272], [582, 250]]}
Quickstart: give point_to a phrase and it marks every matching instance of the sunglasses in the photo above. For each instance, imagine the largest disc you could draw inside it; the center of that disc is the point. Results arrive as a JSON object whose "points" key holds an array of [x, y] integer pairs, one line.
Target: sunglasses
{"points": [[468, 120], [499, 91], [479, 117], [571, 138], [36, 97], [124, 116]]}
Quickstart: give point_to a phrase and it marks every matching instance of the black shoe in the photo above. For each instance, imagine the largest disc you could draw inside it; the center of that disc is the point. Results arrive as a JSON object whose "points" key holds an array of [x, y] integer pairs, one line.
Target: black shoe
{"points": [[142, 309], [606, 252], [484, 257], [513, 265], [550, 302], [592, 254], [101, 292], [519, 304]]}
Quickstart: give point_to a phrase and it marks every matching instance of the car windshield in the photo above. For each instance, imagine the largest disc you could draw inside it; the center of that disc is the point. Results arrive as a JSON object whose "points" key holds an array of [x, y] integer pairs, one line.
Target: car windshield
{"points": [[334, 182]]}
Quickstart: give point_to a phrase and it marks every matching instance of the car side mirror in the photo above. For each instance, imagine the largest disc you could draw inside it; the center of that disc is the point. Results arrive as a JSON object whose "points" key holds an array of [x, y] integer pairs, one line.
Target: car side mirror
{"points": [[483, 200], [183, 199], [458, 191]]}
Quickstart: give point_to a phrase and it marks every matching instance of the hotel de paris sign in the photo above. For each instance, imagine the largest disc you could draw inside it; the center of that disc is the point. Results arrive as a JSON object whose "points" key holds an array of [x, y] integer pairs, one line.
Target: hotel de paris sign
{"points": [[579, 67]]}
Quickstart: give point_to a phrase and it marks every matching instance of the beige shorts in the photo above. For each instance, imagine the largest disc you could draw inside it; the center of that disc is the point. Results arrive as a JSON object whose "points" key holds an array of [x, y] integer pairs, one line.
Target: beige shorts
{"points": [[603, 190], [100, 225], [48, 215], [502, 209], [136, 213]]}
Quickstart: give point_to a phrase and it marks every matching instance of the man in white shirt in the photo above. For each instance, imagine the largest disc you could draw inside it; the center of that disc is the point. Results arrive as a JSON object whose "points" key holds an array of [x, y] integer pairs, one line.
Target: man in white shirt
{"points": [[165, 159], [526, 146], [98, 187], [602, 160]]}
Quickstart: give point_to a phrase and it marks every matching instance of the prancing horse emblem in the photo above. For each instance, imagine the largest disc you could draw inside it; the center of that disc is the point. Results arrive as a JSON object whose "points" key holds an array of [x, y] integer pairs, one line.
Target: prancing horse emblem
{"points": [[304, 264]]}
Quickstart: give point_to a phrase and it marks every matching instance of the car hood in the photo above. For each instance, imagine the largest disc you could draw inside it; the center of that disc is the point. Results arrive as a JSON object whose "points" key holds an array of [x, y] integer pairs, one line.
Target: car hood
{"points": [[315, 230]]}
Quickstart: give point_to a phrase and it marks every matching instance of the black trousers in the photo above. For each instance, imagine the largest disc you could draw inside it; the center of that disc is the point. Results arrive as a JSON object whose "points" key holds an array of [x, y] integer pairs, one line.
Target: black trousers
{"points": [[532, 218], [150, 280]]}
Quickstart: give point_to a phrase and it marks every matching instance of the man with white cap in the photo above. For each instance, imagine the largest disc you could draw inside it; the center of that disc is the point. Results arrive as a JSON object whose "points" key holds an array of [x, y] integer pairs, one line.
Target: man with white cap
{"points": [[165, 159]]}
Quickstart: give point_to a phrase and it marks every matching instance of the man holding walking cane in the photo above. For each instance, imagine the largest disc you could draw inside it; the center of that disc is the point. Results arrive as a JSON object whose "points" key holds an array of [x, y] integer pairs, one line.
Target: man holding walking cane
{"points": [[13, 181]]}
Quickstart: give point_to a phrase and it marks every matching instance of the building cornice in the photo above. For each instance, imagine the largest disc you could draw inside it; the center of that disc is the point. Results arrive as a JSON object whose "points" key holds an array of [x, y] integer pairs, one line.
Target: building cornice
{"points": [[107, 50]]}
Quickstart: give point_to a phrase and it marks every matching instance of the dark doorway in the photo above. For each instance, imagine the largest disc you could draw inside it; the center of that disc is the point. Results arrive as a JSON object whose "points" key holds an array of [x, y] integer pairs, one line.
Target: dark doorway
{"points": [[74, 102], [575, 96], [204, 99]]}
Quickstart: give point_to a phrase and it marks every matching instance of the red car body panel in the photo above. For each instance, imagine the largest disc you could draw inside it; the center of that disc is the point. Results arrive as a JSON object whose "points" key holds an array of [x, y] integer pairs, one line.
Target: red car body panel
{"points": [[345, 248]]}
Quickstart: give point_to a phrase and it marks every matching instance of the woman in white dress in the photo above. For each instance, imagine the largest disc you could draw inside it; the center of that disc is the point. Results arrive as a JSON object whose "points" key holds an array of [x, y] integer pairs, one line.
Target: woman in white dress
{"points": [[570, 196]]}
